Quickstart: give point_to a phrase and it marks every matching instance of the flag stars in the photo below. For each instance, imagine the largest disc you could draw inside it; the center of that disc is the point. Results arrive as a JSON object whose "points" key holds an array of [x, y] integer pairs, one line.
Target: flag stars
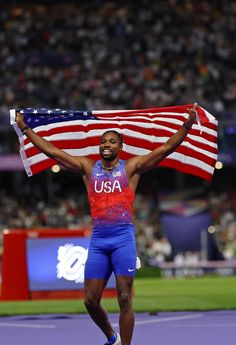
{"points": [[35, 111]]}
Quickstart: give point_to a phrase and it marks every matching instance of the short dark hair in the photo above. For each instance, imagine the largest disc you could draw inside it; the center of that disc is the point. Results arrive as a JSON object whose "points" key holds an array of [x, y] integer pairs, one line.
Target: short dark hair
{"points": [[120, 136]]}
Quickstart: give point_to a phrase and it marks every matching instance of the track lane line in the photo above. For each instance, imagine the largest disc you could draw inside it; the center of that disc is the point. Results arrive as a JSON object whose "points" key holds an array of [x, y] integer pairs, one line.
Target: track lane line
{"points": [[174, 318], [24, 325]]}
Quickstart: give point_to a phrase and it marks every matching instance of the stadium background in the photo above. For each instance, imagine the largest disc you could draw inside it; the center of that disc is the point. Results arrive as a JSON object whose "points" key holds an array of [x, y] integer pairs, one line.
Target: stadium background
{"points": [[119, 55]]}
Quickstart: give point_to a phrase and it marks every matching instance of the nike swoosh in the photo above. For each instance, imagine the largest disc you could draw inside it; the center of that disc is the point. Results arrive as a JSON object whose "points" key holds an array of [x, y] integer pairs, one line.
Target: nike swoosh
{"points": [[131, 270]]}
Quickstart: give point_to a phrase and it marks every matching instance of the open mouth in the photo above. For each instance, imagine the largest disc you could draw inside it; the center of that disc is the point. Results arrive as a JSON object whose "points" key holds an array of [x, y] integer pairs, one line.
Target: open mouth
{"points": [[107, 152]]}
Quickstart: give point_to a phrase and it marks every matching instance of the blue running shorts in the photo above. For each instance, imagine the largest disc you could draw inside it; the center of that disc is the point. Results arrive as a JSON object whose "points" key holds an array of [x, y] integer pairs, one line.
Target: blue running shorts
{"points": [[112, 249]]}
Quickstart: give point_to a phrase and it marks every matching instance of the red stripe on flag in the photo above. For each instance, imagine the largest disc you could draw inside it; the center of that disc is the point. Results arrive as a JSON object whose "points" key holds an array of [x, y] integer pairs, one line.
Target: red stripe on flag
{"points": [[188, 169]]}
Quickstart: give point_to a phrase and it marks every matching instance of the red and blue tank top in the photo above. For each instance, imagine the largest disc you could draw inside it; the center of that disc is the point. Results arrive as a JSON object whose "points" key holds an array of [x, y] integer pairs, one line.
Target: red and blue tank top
{"points": [[110, 196]]}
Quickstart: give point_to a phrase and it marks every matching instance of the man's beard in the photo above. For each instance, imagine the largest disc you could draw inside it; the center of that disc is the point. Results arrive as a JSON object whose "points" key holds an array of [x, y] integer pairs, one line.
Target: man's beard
{"points": [[110, 158]]}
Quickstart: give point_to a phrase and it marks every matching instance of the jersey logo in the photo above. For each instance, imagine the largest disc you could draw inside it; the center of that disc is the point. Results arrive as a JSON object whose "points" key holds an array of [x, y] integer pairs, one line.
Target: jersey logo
{"points": [[107, 186], [116, 173]]}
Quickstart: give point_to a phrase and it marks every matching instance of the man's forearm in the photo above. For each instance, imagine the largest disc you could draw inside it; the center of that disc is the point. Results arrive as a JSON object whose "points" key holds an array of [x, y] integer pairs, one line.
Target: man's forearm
{"points": [[176, 139]]}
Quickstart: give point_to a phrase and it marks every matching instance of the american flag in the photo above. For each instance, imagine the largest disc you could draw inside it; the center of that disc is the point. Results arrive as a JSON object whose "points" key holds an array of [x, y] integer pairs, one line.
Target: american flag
{"points": [[78, 133]]}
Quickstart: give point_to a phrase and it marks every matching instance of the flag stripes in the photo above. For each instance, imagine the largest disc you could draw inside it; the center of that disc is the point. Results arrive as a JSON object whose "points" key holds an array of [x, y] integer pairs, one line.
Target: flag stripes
{"points": [[78, 133]]}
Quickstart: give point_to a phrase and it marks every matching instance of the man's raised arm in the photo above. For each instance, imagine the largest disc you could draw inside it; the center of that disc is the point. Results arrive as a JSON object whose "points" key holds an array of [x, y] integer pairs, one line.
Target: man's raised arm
{"points": [[141, 164]]}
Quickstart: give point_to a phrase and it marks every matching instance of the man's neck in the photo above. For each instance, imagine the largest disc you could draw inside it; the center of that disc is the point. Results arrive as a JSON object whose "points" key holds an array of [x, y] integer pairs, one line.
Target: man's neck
{"points": [[110, 165]]}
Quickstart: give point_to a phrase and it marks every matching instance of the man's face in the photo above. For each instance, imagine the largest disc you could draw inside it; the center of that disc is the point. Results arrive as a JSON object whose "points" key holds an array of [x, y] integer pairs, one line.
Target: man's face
{"points": [[110, 146]]}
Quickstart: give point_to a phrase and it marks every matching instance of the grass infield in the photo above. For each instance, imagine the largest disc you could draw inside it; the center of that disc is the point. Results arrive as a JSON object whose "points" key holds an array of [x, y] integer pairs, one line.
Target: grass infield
{"points": [[150, 295]]}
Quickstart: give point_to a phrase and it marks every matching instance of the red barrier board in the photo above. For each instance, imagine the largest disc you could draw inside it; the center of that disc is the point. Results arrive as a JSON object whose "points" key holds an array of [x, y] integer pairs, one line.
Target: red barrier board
{"points": [[15, 269]]}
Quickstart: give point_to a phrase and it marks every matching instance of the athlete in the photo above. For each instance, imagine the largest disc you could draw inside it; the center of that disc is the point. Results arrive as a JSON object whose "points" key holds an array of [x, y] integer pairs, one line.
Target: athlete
{"points": [[111, 184]]}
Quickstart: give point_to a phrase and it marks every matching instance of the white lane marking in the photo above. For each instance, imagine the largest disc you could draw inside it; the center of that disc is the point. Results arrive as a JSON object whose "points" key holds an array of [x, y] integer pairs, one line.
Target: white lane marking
{"points": [[214, 325], [24, 325], [174, 318]]}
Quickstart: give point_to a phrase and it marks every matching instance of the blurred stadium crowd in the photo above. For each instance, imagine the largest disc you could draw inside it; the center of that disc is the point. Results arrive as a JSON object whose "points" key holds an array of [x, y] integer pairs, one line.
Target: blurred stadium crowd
{"points": [[113, 55], [26, 209], [118, 54]]}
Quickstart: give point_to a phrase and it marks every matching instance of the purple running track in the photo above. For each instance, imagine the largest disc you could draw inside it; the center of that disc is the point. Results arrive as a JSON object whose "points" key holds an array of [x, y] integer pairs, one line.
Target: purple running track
{"points": [[179, 328]]}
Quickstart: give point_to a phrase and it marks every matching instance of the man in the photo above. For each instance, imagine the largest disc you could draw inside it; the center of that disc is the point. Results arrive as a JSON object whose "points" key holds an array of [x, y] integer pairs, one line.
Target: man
{"points": [[111, 184]]}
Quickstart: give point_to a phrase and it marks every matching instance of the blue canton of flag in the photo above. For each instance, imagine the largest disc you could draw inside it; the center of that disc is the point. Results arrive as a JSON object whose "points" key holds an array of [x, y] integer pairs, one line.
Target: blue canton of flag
{"points": [[42, 116]]}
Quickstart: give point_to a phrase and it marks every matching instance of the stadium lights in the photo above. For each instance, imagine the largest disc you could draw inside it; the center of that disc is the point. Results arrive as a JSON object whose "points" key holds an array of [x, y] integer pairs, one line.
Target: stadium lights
{"points": [[6, 231], [55, 168], [219, 165], [211, 229]]}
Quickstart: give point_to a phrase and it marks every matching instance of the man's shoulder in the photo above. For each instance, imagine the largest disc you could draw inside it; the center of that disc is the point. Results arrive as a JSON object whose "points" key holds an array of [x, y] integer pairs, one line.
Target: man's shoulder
{"points": [[87, 163]]}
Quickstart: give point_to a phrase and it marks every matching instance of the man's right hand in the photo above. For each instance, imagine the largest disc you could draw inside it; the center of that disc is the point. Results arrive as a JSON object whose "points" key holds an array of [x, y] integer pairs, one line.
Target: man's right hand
{"points": [[20, 120]]}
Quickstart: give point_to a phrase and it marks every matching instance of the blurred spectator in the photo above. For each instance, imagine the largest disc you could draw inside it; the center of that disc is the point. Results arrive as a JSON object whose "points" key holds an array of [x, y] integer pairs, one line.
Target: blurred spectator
{"points": [[223, 207], [157, 251]]}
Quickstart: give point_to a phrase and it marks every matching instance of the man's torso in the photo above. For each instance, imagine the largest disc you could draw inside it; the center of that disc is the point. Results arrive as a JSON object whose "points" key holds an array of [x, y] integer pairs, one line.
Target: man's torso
{"points": [[110, 196]]}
